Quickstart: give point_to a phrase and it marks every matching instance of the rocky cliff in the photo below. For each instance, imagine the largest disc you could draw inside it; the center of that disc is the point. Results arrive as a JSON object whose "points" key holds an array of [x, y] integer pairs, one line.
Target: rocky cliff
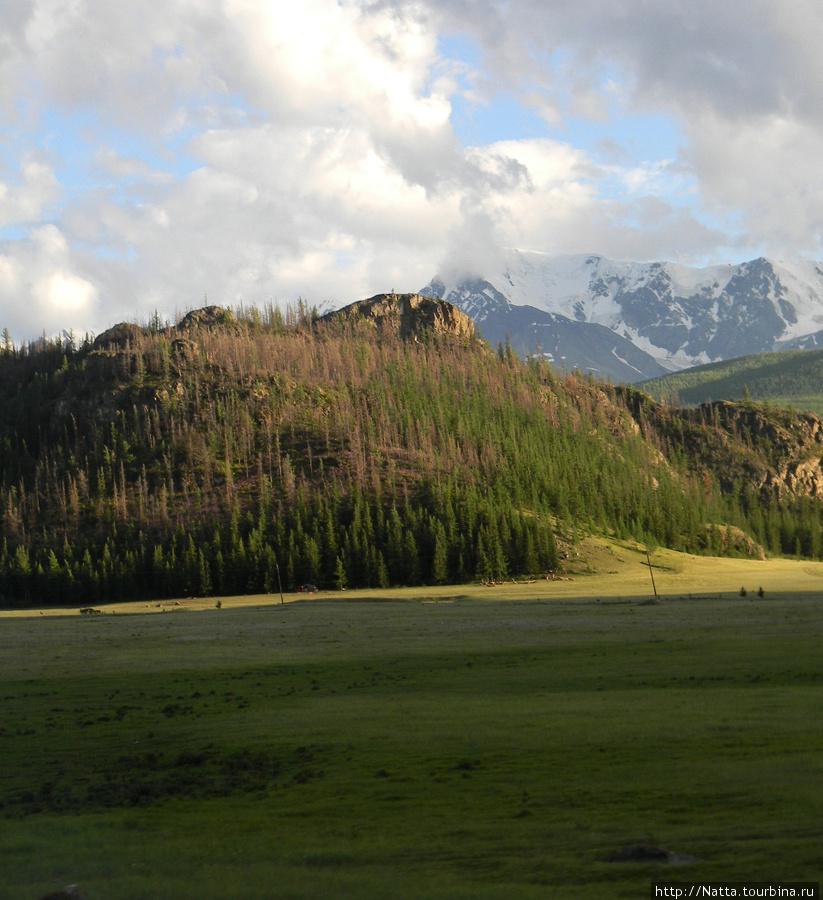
{"points": [[409, 315], [747, 446]]}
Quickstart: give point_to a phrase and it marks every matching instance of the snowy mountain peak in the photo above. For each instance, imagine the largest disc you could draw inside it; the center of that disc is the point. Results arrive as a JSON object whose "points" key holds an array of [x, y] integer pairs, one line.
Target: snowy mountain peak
{"points": [[677, 315]]}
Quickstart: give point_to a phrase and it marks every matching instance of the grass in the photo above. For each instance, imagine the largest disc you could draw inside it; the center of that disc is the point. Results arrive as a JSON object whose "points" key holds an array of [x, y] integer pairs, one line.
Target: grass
{"points": [[478, 742]]}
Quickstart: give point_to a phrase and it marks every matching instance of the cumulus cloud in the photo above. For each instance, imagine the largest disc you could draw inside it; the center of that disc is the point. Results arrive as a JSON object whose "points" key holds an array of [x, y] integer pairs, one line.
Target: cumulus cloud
{"points": [[318, 134], [767, 168], [740, 57], [742, 78], [39, 282], [26, 200]]}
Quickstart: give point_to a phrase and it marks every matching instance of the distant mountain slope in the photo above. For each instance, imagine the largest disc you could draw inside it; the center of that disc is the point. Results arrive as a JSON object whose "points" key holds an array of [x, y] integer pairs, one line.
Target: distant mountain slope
{"points": [[565, 343], [786, 377], [676, 315]]}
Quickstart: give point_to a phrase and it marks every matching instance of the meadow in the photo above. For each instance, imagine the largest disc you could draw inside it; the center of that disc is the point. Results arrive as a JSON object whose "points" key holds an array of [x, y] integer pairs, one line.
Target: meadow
{"points": [[483, 742]]}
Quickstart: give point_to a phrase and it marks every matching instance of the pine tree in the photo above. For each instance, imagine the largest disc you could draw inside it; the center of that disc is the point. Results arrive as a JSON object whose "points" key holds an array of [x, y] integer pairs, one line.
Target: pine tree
{"points": [[411, 560], [340, 578], [440, 572]]}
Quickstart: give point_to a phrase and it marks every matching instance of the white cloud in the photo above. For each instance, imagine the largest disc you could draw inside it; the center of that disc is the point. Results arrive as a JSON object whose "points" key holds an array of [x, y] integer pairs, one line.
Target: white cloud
{"points": [[743, 78], [250, 149], [11, 277], [40, 285], [767, 168], [25, 202], [529, 188], [64, 292]]}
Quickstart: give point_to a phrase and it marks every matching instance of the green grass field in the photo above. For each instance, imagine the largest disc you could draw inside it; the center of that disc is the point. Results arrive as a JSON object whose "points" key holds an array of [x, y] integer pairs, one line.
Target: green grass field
{"points": [[447, 744]]}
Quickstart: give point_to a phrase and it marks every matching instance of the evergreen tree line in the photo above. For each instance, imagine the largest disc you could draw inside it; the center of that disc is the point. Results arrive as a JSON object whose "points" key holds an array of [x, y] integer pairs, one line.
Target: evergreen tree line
{"points": [[335, 542]]}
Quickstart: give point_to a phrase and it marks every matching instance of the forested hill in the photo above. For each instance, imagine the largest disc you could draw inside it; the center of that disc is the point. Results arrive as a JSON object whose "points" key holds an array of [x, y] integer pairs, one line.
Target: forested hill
{"points": [[789, 378], [213, 456]]}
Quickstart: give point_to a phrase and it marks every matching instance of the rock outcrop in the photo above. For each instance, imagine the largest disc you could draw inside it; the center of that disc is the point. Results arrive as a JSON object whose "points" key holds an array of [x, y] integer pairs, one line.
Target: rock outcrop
{"points": [[119, 336], [207, 317], [125, 333], [114, 350], [748, 446], [409, 315]]}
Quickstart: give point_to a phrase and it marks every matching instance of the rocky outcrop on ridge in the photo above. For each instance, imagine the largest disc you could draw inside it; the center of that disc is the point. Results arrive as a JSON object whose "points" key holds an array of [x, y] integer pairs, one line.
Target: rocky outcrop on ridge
{"points": [[409, 315], [207, 317], [118, 336]]}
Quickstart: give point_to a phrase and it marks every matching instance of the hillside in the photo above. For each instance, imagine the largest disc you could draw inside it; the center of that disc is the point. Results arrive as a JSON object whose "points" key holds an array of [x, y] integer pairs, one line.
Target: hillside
{"points": [[784, 378], [232, 454]]}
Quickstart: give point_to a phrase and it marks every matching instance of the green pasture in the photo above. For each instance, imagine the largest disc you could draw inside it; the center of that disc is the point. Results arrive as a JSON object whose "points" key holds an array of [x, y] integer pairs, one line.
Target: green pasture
{"points": [[406, 748]]}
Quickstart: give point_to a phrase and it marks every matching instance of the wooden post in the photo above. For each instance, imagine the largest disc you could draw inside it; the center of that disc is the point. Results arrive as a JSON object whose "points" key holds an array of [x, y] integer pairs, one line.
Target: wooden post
{"points": [[649, 561]]}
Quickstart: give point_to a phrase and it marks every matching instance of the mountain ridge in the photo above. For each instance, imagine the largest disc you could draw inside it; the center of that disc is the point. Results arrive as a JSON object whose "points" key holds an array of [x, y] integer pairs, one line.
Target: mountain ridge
{"points": [[676, 316]]}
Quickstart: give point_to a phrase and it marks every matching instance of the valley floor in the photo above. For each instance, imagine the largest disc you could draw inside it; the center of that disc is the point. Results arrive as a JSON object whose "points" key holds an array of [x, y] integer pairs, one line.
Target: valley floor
{"points": [[365, 746]]}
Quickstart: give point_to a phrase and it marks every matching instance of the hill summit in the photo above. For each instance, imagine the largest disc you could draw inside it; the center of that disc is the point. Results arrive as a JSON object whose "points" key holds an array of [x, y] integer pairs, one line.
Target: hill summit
{"points": [[408, 315]]}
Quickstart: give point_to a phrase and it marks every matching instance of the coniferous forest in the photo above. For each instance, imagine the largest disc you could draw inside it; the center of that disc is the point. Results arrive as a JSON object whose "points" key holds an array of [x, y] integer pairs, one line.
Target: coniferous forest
{"points": [[238, 453]]}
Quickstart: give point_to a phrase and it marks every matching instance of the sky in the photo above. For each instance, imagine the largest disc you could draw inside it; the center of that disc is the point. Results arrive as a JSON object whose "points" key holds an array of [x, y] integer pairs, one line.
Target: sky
{"points": [[163, 155]]}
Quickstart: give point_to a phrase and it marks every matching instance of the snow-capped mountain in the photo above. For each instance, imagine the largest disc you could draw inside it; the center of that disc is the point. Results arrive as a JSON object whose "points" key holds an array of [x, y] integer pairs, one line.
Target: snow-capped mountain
{"points": [[631, 320]]}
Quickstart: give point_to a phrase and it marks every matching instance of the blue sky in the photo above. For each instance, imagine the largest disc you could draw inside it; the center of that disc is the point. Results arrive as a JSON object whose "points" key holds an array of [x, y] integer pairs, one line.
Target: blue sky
{"points": [[153, 154], [506, 115]]}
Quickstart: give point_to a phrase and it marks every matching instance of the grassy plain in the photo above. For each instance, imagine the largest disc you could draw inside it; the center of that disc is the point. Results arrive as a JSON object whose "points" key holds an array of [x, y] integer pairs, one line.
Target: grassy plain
{"points": [[483, 742]]}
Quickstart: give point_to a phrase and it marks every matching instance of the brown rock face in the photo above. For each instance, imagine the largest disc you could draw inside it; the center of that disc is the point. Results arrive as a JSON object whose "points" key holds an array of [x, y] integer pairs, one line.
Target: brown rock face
{"points": [[207, 317], [772, 450], [410, 315], [118, 336]]}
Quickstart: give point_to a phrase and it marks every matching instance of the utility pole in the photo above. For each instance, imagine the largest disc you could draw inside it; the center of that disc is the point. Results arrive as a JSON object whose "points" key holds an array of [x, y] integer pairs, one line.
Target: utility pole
{"points": [[649, 561], [279, 583]]}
